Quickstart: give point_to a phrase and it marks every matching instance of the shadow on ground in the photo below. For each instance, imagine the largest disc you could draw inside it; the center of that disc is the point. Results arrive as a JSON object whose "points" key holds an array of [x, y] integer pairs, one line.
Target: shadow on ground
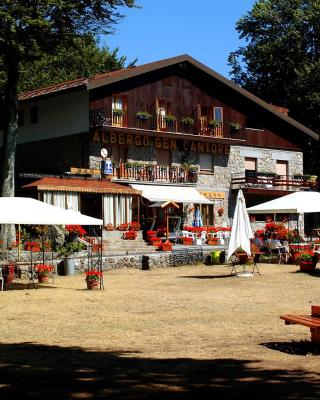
{"points": [[206, 276], [46, 372], [300, 348]]}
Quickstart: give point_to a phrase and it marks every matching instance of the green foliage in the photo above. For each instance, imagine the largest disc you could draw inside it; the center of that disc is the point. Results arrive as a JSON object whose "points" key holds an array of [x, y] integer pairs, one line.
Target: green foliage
{"points": [[187, 121], [84, 59], [214, 124], [29, 30], [143, 115], [235, 125], [280, 61], [169, 118], [69, 248]]}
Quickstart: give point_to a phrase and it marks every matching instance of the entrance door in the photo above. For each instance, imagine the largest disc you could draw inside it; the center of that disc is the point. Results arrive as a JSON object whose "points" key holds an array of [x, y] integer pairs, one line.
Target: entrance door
{"points": [[91, 204], [282, 172]]}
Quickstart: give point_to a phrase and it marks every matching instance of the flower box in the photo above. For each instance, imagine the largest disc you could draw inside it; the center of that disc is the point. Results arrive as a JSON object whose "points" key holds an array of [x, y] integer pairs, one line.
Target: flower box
{"points": [[109, 227]]}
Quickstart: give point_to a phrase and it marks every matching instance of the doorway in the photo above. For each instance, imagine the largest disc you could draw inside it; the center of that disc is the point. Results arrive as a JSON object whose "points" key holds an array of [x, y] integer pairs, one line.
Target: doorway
{"points": [[91, 204]]}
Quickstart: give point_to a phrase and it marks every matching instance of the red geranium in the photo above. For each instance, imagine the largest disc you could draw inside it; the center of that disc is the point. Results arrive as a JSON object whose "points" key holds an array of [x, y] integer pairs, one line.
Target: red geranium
{"points": [[93, 275], [76, 229], [43, 269]]}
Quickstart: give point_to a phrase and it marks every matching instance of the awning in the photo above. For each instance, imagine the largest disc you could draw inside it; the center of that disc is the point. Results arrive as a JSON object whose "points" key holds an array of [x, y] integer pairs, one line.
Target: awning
{"points": [[80, 185], [27, 211], [178, 194]]}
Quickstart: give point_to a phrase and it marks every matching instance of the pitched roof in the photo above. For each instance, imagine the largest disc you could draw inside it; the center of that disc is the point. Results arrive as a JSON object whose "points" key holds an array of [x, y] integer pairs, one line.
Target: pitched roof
{"points": [[80, 185], [126, 73]]}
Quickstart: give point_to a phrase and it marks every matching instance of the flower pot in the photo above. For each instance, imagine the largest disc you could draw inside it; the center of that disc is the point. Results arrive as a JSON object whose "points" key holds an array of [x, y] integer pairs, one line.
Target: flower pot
{"points": [[92, 284], [306, 266], [43, 278]]}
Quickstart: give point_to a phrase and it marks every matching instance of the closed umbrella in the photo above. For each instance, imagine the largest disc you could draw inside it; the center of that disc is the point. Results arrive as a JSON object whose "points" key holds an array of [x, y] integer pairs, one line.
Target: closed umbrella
{"points": [[197, 217], [241, 231]]}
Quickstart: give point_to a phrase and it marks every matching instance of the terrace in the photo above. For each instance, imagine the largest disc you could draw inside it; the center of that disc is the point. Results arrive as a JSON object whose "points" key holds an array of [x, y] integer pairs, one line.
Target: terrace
{"points": [[264, 181], [125, 171], [165, 123]]}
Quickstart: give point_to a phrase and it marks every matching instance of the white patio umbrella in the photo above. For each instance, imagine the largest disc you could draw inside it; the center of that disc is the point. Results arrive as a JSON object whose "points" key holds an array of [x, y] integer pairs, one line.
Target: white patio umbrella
{"points": [[241, 231]]}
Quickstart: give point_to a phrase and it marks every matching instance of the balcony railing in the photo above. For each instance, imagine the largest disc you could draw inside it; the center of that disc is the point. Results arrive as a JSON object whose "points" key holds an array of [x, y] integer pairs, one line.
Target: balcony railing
{"points": [[156, 122], [153, 173], [257, 180]]}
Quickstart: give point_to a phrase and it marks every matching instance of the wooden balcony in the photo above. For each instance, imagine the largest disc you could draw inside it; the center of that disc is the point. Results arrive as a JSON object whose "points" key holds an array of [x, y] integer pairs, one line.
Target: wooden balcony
{"points": [[152, 173], [100, 117], [257, 181]]}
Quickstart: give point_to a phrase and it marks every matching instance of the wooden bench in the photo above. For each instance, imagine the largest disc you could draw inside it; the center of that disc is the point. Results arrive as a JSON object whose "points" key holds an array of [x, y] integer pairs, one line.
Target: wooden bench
{"points": [[310, 321]]}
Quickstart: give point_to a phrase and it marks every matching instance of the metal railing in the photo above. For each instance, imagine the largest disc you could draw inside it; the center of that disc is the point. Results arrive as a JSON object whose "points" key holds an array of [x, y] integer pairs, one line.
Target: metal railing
{"points": [[260, 180], [101, 117], [153, 173]]}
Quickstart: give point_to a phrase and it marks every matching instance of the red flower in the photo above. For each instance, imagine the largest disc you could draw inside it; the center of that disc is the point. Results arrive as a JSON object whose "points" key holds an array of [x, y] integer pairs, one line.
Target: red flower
{"points": [[93, 275], [42, 269], [76, 229]]}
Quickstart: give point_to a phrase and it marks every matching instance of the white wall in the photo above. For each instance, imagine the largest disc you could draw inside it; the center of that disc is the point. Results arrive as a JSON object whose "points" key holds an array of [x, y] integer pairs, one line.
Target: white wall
{"points": [[60, 115]]}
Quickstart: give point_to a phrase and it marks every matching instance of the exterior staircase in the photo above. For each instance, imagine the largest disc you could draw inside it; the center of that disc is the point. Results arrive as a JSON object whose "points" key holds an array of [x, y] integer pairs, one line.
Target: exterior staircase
{"points": [[114, 245]]}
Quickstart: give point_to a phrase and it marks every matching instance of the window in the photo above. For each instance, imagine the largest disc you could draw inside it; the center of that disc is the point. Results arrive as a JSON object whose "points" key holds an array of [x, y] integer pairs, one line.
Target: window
{"points": [[21, 118], [250, 164], [34, 115], [205, 161], [119, 110], [218, 114]]}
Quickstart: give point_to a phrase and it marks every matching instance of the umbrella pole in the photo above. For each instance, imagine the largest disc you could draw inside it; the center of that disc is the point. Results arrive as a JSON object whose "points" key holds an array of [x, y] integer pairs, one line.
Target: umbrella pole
{"points": [[19, 242]]}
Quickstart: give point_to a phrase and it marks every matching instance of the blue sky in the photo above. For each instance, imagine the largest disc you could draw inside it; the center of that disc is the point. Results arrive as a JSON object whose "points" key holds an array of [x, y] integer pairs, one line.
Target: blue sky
{"points": [[205, 29]]}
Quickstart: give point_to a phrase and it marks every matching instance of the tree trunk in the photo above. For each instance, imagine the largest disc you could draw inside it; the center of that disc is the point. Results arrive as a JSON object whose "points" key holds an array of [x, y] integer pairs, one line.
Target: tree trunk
{"points": [[9, 139]]}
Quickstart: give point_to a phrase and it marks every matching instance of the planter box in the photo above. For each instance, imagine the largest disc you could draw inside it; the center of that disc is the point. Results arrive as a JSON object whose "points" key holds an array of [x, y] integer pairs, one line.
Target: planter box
{"points": [[307, 266]]}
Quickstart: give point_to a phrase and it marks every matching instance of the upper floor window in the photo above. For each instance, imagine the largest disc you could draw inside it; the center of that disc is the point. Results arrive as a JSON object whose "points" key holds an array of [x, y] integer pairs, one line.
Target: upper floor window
{"points": [[218, 114], [166, 121], [34, 115], [205, 161], [119, 110]]}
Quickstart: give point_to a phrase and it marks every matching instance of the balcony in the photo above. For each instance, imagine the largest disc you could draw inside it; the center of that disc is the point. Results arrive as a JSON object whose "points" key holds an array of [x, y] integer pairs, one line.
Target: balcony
{"points": [[163, 123], [258, 181], [152, 173]]}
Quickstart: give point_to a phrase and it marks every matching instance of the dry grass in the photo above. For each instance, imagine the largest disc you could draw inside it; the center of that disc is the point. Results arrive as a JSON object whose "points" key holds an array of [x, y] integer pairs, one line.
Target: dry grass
{"points": [[189, 332]]}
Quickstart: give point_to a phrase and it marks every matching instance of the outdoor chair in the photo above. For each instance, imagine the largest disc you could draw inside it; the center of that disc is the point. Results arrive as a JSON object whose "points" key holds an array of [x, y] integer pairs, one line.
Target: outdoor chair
{"points": [[281, 252]]}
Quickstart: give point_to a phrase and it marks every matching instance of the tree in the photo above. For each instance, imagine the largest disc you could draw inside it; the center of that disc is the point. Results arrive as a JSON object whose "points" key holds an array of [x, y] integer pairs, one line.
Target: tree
{"points": [[281, 59], [85, 59], [31, 28]]}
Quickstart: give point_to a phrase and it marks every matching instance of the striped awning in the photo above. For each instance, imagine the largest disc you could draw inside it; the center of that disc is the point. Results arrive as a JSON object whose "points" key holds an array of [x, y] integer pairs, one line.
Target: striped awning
{"points": [[80, 185]]}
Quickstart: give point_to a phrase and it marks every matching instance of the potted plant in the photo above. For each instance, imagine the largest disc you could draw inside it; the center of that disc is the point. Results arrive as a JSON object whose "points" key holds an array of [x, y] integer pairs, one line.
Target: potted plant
{"points": [[109, 227], [242, 256], [187, 121], [169, 118], [129, 235], [235, 126], [307, 260], [166, 246], [220, 211], [143, 115], [123, 227], [128, 165], [134, 226], [214, 124], [93, 278], [117, 112], [42, 272]]}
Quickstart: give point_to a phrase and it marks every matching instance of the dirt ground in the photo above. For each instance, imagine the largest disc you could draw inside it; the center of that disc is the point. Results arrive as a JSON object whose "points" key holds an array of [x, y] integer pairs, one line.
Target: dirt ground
{"points": [[192, 332]]}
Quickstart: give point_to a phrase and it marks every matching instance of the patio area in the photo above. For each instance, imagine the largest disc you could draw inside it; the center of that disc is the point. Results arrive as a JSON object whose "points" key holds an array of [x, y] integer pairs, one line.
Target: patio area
{"points": [[185, 332]]}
